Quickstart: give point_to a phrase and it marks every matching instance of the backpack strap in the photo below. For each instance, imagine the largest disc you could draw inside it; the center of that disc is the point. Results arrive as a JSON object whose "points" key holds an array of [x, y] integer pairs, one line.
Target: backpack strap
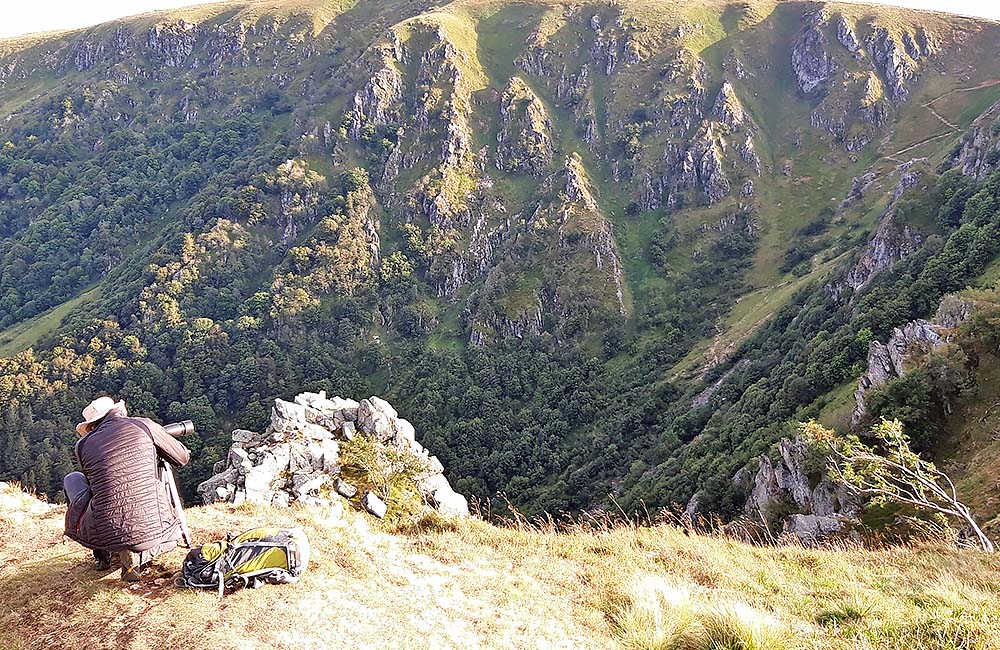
{"points": [[220, 574]]}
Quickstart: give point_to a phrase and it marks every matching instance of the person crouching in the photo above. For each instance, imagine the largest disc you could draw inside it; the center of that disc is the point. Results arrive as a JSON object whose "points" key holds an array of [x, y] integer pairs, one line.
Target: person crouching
{"points": [[117, 502]]}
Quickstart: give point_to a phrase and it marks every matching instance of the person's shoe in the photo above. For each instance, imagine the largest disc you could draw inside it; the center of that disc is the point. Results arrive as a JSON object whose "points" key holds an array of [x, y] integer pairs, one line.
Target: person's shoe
{"points": [[102, 560], [131, 569]]}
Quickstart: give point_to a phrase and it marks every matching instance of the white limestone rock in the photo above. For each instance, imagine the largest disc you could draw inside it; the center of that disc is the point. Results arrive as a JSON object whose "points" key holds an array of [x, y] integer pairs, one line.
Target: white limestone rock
{"points": [[374, 505], [442, 497]]}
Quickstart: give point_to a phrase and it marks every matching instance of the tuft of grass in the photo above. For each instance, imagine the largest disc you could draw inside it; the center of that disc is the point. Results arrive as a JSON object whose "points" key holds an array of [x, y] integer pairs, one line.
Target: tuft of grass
{"points": [[848, 611], [737, 626], [652, 614]]}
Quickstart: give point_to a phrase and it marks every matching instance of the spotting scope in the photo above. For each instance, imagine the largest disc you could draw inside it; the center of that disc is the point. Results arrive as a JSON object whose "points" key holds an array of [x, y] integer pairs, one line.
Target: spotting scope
{"points": [[179, 429]]}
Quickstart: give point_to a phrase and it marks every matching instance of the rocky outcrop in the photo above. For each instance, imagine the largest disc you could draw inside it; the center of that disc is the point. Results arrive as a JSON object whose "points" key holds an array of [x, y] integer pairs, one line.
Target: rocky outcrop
{"points": [[733, 65], [576, 186], [846, 35], [172, 43], [525, 136], [812, 65], [378, 102], [889, 361], [796, 493], [496, 325], [891, 61], [892, 242], [711, 174], [980, 152], [728, 109], [298, 458], [535, 59], [605, 250], [871, 107], [748, 152], [605, 51]]}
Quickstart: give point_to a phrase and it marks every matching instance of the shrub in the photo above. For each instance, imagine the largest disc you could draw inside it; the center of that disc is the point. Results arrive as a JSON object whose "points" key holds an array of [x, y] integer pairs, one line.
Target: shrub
{"points": [[389, 472]]}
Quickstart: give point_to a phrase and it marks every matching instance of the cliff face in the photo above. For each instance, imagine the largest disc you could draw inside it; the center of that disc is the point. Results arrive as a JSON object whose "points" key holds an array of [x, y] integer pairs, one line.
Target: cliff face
{"points": [[980, 150], [892, 359], [892, 241]]}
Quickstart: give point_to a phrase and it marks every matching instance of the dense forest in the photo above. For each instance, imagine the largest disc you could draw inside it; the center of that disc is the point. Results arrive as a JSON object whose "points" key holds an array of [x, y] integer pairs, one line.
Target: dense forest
{"points": [[200, 223]]}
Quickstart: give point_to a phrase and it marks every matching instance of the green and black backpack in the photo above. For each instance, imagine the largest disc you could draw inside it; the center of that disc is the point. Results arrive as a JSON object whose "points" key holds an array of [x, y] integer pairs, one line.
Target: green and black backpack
{"points": [[262, 555]]}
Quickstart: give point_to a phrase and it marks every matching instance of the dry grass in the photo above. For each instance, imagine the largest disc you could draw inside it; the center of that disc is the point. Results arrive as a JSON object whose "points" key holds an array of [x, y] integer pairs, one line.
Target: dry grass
{"points": [[436, 583]]}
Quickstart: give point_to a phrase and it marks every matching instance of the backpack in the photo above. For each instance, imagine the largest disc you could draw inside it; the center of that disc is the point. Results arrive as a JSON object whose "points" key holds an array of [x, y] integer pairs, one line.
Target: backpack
{"points": [[262, 555]]}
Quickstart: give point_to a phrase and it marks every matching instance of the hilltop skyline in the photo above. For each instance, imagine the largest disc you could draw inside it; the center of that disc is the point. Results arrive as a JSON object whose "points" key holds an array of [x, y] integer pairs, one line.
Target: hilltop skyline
{"points": [[56, 15]]}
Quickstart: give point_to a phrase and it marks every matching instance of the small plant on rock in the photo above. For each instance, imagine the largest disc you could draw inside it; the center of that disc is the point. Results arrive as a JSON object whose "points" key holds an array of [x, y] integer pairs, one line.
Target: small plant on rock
{"points": [[387, 471]]}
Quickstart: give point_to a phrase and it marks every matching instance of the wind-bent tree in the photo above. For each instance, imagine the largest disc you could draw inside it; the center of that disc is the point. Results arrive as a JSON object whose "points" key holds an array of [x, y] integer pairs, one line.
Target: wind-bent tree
{"points": [[892, 472]]}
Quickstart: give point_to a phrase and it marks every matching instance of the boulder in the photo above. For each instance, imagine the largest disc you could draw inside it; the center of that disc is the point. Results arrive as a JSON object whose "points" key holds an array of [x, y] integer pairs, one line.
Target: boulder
{"points": [[374, 505], [298, 458], [303, 484], [237, 456], [257, 484], [242, 436], [345, 489], [286, 419], [316, 431], [330, 457], [282, 456], [434, 465], [208, 489], [693, 508], [813, 529], [375, 421], [405, 431], [441, 497], [329, 413]]}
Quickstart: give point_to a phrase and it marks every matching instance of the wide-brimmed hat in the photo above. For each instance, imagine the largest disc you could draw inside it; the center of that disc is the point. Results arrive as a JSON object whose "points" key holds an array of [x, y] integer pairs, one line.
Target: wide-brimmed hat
{"points": [[97, 410]]}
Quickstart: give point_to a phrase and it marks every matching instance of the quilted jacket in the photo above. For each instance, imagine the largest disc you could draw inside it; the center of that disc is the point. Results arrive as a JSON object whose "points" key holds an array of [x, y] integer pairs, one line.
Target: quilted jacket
{"points": [[127, 506]]}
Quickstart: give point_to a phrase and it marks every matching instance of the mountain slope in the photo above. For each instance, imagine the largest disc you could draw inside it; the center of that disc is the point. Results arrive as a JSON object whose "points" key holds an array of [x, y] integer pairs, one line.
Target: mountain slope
{"points": [[571, 238]]}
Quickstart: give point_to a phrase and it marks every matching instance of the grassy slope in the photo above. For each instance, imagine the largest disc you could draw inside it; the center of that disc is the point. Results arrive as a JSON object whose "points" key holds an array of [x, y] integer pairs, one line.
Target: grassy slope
{"points": [[972, 447], [27, 333], [471, 584]]}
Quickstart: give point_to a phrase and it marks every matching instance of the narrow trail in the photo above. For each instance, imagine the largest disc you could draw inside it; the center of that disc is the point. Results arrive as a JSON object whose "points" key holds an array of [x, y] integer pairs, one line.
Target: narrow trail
{"points": [[929, 105], [893, 155], [954, 127], [986, 84]]}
